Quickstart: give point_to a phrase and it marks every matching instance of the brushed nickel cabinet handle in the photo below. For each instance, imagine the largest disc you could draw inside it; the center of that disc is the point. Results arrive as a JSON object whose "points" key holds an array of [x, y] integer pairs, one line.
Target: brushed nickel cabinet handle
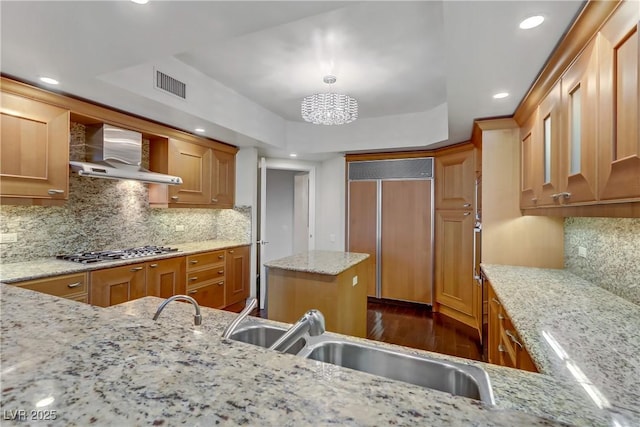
{"points": [[220, 271], [214, 200], [231, 251], [74, 285], [220, 256], [501, 348], [534, 199], [175, 198], [496, 301], [500, 316], [220, 283], [513, 338], [193, 261], [54, 191], [136, 269], [467, 213], [555, 196], [193, 279], [153, 265], [193, 292], [466, 205]]}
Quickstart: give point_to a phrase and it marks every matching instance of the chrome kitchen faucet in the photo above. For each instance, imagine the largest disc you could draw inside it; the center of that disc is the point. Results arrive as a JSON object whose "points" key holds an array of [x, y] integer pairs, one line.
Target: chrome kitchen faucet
{"points": [[197, 318]]}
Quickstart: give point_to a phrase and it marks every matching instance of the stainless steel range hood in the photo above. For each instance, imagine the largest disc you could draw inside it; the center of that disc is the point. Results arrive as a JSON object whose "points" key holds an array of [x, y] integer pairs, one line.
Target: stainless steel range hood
{"points": [[116, 153]]}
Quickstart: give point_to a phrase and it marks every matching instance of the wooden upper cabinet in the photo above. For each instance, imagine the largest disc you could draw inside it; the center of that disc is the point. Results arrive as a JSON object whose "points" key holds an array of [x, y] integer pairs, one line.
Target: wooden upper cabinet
{"points": [[547, 144], [208, 175], [224, 179], [529, 164], [34, 143], [619, 143], [455, 176], [579, 134], [192, 163]]}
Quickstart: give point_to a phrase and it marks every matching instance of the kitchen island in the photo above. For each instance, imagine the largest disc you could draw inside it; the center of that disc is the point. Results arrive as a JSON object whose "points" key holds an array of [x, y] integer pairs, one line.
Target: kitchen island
{"points": [[333, 282], [82, 365]]}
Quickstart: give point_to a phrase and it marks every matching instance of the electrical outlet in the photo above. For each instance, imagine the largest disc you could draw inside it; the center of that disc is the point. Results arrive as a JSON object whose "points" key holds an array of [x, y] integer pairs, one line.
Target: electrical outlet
{"points": [[332, 238], [180, 227], [8, 237], [355, 280], [582, 251]]}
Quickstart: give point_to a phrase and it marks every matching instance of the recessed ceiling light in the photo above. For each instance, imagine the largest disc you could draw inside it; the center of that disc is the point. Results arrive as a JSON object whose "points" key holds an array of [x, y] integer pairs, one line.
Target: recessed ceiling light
{"points": [[200, 130], [49, 80], [293, 155], [531, 22], [140, 1], [500, 95]]}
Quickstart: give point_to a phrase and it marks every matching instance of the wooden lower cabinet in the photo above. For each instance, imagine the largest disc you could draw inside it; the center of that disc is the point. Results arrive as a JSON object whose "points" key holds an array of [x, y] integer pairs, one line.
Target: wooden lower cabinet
{"points": [[71, 286], [505, 345], [116, 285], [206, 278], [238, 261], [166, 277]]}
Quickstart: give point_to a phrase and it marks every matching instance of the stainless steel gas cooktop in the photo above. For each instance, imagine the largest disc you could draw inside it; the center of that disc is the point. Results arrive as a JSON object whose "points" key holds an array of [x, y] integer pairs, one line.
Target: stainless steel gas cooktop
{"points": [[143, 251]]}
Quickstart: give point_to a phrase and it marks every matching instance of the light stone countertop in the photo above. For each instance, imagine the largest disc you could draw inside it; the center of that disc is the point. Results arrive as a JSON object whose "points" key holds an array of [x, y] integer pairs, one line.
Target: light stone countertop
{"points": [[576, 332], [48, 267], [116, 366], [330, 263]]}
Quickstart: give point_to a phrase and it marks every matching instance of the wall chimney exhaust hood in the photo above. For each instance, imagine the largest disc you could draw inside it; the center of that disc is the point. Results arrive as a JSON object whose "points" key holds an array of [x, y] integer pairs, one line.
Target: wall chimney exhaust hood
{"points": [[116, 153]]}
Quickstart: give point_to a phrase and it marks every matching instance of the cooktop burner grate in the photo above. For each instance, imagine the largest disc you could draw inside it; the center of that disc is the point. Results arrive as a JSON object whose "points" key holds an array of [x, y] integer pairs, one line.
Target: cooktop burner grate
{"points": [[91, 257]]}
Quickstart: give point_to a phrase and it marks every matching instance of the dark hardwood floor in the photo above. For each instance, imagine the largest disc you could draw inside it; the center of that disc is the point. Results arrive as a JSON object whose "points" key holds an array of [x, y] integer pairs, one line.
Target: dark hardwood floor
{"points": [[417, 327]]}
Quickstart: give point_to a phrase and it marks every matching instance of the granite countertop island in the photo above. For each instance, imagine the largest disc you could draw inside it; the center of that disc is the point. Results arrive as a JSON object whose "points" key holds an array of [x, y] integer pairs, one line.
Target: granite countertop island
{"points": [[578, 333], [47, 267], [76, 364], [319, 262]]}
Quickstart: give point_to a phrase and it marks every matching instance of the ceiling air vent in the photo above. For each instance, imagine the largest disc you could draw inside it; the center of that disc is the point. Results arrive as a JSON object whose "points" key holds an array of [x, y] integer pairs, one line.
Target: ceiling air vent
{"points": [[171, 85]]}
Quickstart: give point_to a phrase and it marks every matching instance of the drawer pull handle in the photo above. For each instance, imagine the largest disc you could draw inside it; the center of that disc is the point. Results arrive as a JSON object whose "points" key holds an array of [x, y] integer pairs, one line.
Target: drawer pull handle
{"points": [[55, 191], [220, 256], [466, 205], [220, 283], [513, 338], [214, 200], [220, 271], [500, 316], [496, 301], [193, 279], [153, 265], [193, 292], [136, 269], [231, 251], [175, 197], [74, 285], [501, 348], [534, 199], [467, 213], [194, 261]]}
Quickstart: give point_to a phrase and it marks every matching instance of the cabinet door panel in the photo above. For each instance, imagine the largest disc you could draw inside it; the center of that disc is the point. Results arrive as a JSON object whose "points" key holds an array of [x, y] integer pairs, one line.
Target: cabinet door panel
{"points": [[619, 139], [549, 125], [166, 278], [455, 177], [34, 142], [237, 276], [362, 212], [192, 163], [454, 255], [224, 179], [579, 99], [209, 295], [406, 256], [530, 165], [117, 285]]}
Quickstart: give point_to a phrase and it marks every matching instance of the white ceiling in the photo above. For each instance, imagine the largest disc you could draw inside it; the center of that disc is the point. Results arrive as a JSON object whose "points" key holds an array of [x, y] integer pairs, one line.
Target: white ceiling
{"points": [[422, 71]]}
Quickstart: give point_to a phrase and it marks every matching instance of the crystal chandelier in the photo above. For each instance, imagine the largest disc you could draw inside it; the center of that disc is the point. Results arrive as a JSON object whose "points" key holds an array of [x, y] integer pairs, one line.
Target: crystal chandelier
{"points": [[329, 108]]}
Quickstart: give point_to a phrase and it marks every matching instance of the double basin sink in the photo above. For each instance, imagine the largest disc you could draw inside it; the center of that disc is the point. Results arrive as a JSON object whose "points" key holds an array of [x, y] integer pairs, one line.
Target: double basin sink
{"points": [[439, 374]]}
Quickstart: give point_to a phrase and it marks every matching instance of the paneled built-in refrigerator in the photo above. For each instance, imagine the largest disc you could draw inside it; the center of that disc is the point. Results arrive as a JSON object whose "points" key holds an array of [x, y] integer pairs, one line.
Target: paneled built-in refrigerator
{"points": [[390, 217]]}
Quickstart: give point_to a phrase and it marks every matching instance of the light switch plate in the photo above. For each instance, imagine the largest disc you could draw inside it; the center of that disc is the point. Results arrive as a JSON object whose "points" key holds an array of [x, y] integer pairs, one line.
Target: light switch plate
{"points": [[180, 227], [355, 280], [582, 251]]}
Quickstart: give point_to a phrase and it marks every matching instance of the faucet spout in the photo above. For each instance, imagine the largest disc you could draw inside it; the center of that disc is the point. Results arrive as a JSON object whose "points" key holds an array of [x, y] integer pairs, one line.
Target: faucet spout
{"points": [[197, 318], [312, 323], [251, 304]]}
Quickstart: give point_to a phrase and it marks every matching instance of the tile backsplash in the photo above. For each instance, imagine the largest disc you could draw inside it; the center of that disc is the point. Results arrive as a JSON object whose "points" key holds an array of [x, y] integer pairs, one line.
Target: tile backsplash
{"points": [[105, 214], [612, 253]]}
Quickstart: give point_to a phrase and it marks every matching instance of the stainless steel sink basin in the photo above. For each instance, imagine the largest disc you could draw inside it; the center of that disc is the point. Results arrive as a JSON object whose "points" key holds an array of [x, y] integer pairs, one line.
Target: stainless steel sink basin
{"points": [[263, 335], [451, 377]]}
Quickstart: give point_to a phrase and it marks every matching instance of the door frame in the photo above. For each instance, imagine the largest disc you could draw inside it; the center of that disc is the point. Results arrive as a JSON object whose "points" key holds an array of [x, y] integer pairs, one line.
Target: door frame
{"points": [[290, 165]]}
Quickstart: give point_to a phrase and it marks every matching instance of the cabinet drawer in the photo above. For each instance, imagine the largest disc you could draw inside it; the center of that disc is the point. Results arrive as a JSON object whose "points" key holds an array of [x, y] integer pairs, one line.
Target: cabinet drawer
{"points": [[61, 286], [205, 260], [209, 295], [201, 277]]}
